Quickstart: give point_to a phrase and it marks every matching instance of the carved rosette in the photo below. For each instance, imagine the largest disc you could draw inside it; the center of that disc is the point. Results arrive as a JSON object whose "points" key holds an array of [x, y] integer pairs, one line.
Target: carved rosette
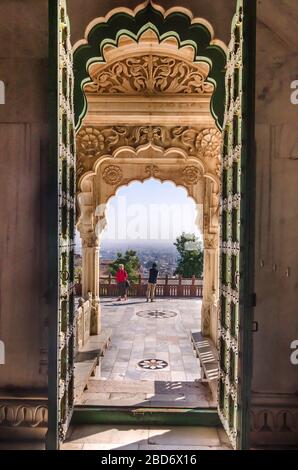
{"points": [[149, 74], [90, 142], [191, 175], [112, 175], [209, 143]]}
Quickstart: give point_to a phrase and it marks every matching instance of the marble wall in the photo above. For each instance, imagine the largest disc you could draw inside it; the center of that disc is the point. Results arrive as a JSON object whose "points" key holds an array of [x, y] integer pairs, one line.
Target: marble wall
{"points": [[23, 169], [275, 379], [277, 208]]}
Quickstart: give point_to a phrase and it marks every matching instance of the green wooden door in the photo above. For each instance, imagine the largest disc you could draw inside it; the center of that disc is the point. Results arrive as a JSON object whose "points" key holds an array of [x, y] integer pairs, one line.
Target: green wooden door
{"points": [[237, 213], [61, 226]]}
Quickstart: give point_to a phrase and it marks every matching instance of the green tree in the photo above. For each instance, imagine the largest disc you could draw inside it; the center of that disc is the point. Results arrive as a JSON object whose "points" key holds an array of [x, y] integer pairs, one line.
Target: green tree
{"points": [[190, 251], [131, 263]]}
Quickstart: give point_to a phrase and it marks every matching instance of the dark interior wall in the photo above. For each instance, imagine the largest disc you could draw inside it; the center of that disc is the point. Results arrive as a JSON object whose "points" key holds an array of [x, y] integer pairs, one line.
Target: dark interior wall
{"points": [[277, 209], [23, 162], [218, 12]]}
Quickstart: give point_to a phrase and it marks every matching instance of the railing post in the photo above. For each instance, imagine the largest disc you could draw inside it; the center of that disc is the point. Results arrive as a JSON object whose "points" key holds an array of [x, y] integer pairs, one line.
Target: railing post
{"points": [[139, 292], [166, 290], [193, 286], [180, 287]]}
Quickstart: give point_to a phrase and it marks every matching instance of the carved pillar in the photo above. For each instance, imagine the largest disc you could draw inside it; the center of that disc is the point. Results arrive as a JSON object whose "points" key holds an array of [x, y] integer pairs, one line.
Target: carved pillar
{"points": [[90, 279], [210, 285], [209, 312]]}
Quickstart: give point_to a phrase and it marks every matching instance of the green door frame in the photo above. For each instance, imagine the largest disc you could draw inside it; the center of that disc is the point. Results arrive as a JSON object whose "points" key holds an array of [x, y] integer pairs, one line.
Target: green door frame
{"points": [[178, 25], [249, 183]]}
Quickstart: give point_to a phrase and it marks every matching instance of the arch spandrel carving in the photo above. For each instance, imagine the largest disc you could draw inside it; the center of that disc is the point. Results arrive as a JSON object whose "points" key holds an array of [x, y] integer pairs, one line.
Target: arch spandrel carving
{"points": [[149, 74], [202, 144]]}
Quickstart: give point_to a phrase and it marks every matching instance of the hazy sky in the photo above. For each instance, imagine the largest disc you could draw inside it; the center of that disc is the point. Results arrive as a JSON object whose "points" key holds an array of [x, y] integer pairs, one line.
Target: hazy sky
{"points": [[150, 211]]}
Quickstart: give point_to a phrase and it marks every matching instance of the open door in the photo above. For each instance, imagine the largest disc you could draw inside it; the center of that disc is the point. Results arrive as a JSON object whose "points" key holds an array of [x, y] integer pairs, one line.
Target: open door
{"points": [[237, 216], [61, 217]]}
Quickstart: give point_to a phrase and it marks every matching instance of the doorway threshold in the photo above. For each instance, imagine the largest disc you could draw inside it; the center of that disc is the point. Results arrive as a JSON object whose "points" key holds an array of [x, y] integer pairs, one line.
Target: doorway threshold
{"points": [[147, 394], [134, 415]]}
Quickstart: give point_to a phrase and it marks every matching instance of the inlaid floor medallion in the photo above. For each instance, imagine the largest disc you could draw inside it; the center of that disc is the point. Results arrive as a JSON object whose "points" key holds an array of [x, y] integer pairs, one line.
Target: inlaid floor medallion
{"points": [[153, 364], [157, 313]]}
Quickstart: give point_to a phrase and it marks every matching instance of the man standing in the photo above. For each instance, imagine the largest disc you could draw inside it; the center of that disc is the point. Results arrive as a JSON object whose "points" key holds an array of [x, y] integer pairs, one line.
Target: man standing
{"points": [[153, 273]]}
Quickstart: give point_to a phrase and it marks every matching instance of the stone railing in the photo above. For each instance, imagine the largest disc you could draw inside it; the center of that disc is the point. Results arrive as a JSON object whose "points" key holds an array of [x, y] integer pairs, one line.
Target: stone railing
{"points": [[165, 287], [83, 318]]}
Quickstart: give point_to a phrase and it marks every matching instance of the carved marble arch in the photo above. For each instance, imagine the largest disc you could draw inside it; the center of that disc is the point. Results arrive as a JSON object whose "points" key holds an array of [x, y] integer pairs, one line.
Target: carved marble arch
{"points": [[127, 164], [139, 86], [187, 44]]}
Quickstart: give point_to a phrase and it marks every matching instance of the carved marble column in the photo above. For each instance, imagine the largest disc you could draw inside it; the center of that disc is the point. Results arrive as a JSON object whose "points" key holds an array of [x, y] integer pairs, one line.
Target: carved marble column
{"points": [[210, 286], [209, 312], [90, 279]]}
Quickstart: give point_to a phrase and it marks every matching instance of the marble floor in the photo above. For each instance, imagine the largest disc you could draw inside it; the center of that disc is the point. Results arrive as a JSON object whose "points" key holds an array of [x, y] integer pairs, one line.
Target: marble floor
{"points": [[100, 437], [121, 437], [135, 338], [138, 336]]}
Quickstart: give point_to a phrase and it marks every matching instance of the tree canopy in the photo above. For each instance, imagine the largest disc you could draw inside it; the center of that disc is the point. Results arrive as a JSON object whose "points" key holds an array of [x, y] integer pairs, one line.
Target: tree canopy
{"points": [[190, 251], [131, 263]]}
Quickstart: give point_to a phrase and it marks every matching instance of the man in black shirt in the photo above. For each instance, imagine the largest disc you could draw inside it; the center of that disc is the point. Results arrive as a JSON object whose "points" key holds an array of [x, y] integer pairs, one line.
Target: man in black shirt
{"points": [[153, 273]]}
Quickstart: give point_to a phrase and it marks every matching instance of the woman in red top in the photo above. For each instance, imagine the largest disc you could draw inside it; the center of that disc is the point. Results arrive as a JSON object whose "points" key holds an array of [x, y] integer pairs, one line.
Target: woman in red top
{"points": [[121, 279]]}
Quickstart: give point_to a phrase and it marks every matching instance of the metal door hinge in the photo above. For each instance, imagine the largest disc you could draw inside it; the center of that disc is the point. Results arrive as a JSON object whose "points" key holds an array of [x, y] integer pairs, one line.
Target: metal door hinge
{"points": [[254, 299], [255, 326]]}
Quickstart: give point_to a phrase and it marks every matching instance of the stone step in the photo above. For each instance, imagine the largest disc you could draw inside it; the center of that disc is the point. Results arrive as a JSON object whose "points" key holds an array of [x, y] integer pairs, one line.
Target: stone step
{"points": [[147, 393], [121, 386]]}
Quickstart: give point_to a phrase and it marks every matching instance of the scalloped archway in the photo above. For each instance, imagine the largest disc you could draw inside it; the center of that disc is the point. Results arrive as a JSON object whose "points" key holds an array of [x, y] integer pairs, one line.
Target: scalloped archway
{"points": [[177, 22]]}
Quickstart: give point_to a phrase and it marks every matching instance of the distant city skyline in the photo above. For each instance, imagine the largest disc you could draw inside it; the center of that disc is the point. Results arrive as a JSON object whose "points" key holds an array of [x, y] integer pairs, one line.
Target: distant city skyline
{"points": [[150, 211], [146, 215]]}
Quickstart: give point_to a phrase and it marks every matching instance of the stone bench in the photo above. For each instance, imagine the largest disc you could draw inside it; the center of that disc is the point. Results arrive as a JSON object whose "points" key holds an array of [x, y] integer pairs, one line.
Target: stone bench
{"points": [[87, 359], [208, 357]]}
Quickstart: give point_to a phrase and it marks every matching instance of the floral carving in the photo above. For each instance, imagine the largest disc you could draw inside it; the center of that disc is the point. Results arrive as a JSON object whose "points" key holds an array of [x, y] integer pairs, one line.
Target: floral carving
{"points": [[112, 175], [191, 175], [90, 142], [209, 141], [150, 74], [206, 142], [153, 134], [93, 142], [152, 170], [187, 137]]}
